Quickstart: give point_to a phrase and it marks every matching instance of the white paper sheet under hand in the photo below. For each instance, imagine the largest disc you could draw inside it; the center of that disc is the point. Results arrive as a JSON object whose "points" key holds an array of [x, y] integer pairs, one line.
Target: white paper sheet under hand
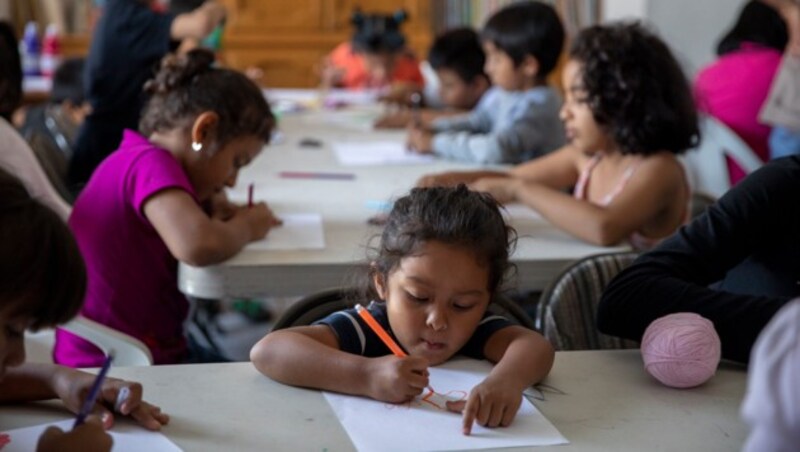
{"points": [[422, 425], [377, 153], [299, 231], [128, 437]]}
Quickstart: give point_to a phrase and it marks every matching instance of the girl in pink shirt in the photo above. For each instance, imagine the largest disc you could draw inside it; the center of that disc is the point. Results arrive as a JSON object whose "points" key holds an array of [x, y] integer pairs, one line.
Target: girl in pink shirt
{"points": [[734, 88], [143, 208]]}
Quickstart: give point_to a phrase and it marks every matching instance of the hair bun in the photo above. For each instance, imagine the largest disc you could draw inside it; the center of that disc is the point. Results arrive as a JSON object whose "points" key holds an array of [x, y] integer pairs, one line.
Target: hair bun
{"points": [[177, 71]]}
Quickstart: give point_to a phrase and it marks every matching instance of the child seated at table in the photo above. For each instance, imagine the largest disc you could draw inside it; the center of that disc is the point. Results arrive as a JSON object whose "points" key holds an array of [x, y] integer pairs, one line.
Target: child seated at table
{"points": [[517, 119], [376, 57], [41, 290], [160, 199], [457, 58], [628, 112], [442, 256]]}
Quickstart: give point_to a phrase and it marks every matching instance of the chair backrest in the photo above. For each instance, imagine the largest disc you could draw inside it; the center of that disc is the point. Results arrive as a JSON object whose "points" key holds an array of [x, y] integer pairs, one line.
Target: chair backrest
{"points": [[128, 351], [567, 309], [321, 304], [706, 164]]}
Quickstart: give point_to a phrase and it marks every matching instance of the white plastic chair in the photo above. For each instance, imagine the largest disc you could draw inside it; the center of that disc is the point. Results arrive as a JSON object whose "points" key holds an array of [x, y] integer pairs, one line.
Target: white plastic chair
{"points": [[128, 350], [706, 166]]}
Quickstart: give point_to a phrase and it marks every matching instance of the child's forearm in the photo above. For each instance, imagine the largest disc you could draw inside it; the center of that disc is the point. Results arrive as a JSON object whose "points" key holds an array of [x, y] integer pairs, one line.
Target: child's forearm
{"points": [[515, 369], [29, 382], [298, 360]]}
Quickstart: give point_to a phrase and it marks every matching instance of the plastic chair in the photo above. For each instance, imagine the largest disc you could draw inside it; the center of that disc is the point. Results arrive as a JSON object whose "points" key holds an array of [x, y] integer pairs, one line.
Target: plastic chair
{"points": [[706, 165], [128, 350], [567, 310], [320, 305]]}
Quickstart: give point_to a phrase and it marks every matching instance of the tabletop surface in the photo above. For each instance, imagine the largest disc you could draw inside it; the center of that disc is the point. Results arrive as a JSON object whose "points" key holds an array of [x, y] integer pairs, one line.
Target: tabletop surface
{"points": [[599, 400]]}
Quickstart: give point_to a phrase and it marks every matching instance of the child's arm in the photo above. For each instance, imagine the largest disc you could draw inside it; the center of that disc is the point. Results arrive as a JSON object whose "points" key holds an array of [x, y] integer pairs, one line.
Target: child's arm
{"points": [[523, 357], [39, 381], [197, 239], [309, 356], [199, 23], [453, 178], [648, 194]]}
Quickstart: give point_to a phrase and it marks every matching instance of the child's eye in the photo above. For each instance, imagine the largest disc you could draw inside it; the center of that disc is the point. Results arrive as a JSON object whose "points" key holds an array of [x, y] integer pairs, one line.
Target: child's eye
{"points": [[463, 306], [417, 299]]}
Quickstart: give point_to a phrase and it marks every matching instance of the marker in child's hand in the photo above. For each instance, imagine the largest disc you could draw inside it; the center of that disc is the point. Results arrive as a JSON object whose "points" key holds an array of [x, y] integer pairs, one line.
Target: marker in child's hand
{"points": [[88, 404], [382, 334], [250, 195]]}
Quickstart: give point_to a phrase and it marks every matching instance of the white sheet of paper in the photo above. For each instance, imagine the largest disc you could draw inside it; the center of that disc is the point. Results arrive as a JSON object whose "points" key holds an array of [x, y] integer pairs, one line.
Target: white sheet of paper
{"points": [[128, 437], [299, 231], [520, 211], [377, 153], [419, 425]]}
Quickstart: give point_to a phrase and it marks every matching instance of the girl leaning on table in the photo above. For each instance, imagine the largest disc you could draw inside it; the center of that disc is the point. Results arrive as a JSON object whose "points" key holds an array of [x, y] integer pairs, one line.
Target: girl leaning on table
{"points": [[42, 290], [628, 111], [159, 199], [442, 256]]}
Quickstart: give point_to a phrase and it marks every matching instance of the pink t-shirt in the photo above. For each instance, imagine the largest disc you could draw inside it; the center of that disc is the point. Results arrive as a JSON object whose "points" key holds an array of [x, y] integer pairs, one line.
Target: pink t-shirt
{"points": [[733, 89], [133, 282]]}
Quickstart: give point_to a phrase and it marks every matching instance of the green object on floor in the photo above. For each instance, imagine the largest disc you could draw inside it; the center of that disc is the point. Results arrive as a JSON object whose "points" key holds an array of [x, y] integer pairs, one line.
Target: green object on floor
{"points": [[253, 310]]}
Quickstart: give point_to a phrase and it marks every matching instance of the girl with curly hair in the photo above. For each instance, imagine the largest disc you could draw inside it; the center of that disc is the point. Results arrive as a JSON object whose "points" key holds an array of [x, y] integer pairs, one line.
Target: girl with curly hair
{"points": [[628, 112]]}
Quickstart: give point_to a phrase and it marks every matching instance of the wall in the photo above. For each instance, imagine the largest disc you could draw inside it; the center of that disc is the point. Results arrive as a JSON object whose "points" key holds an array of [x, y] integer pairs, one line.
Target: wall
{"points": [[690, 27]]}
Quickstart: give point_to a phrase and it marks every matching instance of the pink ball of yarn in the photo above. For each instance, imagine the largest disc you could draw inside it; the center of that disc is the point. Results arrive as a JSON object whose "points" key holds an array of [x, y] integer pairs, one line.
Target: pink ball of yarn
{"points": [[681, 350]]}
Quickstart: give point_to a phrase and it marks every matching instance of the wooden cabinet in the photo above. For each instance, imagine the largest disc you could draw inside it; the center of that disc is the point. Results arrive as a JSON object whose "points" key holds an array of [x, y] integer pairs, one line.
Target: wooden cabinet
{"points": [[288, 38]]}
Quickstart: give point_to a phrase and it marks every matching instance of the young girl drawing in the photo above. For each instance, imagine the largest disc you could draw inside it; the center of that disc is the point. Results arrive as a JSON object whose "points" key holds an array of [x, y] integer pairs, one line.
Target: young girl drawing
{"points": [[628, 111], [41, 290], [442, 256], [143, 209]]}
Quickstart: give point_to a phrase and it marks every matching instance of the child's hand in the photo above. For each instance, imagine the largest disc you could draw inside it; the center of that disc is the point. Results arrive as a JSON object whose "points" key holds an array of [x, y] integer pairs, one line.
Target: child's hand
{"points": [[503, 189], [419, 140], [329, 74], [397, 380], [491, 404], [87, 437], [260, 218], [396, 120], [73, 386]]}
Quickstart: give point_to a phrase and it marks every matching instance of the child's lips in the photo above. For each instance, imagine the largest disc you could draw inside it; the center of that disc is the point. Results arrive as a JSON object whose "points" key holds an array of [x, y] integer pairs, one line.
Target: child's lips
{"points": [[433, 345]]}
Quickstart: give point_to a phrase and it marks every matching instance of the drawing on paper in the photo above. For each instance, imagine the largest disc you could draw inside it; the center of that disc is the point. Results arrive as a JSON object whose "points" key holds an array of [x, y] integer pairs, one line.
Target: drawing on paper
{"points": [[431, 399]]}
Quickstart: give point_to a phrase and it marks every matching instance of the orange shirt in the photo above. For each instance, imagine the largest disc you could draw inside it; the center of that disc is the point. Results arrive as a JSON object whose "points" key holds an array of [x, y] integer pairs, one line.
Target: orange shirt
{"points": [[406, 69]]}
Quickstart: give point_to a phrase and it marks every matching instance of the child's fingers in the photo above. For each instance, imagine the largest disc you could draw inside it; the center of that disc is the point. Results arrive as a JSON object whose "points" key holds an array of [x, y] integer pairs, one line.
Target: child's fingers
{"points": [[102, 415], [150, 416], [484, 413], [496, 415], [508, 415], [470, 412]]}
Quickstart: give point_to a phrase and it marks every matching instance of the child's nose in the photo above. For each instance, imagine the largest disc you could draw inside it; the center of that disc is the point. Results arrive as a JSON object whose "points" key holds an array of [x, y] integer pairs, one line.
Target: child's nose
{"points": [[563, 113], [231, 181], [437, 319]]}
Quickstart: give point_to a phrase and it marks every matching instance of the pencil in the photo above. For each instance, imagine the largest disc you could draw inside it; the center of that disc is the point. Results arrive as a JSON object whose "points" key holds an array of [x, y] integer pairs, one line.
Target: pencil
{"points": [[378, 329], [250, 195], [88, 404]]}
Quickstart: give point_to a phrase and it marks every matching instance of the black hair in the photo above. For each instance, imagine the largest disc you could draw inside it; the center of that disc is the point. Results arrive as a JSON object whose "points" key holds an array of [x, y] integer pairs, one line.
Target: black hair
{"points": [[636, 89], [460, 51], [378, 33], [68, 82], [187, 85], [42, 275], [757, 23], [451, 215], [184, 6], [10, 71], [527, 28]]}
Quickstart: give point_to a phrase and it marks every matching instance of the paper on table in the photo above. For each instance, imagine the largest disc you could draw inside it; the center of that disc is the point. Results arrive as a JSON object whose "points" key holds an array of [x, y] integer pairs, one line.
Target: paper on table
{"points": [[519, 211], [420, 425], [299, 231], [377, 153], [128, 437]]}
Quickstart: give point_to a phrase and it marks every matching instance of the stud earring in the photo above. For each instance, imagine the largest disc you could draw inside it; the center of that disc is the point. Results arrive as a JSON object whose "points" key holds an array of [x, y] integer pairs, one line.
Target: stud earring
{"points": [[197, 147]]}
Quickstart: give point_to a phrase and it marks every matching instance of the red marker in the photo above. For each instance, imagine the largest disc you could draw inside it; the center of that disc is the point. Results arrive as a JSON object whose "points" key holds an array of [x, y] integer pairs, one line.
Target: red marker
{"points": [[250, 195]]}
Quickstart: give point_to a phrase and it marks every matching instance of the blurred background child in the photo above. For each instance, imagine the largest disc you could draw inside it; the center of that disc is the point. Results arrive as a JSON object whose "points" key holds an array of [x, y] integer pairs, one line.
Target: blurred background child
{"points": [[376, 57], [517, 119], [457, 58]]}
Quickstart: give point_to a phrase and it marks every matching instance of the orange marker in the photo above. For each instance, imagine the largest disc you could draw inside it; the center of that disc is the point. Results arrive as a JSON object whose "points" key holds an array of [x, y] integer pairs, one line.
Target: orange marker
{"points": [[376, 327]]}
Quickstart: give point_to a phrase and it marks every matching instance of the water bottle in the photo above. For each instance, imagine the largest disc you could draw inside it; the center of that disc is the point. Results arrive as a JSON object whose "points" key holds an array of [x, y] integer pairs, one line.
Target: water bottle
{"points": [[51, 51], [29, 50]]}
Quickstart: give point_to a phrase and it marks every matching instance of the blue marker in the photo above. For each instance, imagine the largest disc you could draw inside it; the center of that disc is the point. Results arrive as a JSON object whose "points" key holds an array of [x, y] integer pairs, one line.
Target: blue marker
{"points": [[88, 404]]}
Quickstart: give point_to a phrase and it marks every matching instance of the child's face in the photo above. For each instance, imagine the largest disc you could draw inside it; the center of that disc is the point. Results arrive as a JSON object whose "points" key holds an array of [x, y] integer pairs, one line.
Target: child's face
{"points": [[12, 348], [501, 69], [210, 175], [457, 93], [379, 66], [581, 128], [435, 300]]}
